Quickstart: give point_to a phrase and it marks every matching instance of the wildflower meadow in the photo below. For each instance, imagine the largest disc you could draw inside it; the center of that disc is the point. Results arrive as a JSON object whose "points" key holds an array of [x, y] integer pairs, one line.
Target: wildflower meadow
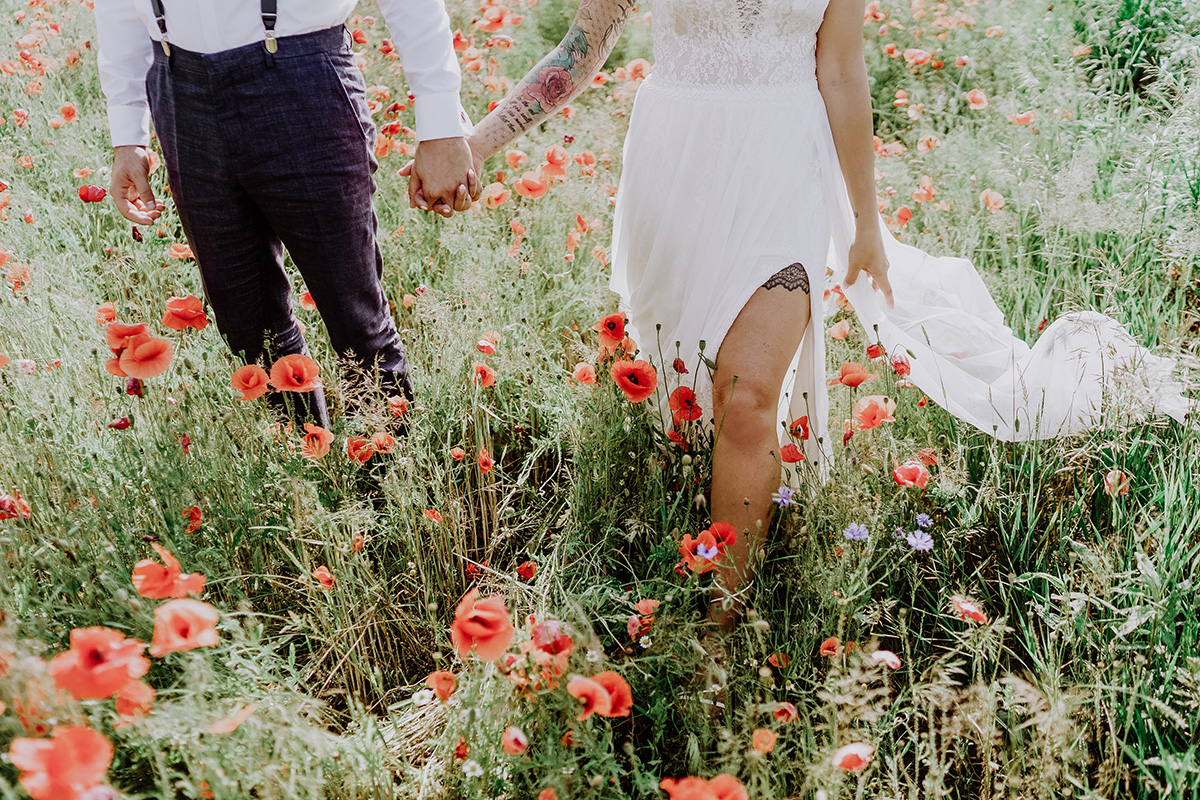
{"points": [[499, 589]]}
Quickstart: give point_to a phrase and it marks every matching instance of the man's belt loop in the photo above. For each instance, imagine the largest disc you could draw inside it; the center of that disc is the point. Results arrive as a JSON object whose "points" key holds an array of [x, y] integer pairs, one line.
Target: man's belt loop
{"points": [[269, 17]]}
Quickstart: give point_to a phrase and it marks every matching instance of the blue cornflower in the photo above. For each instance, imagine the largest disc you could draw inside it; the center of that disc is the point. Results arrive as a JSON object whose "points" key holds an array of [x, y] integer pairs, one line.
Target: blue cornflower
{"points": [[924, 521], [783, 497], [856, 532], [920, 540]]}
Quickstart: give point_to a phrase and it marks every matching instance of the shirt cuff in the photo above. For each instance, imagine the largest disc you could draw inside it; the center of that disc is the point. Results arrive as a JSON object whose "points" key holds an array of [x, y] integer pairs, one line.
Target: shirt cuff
{"points": [[441, 116], [129, 125]]}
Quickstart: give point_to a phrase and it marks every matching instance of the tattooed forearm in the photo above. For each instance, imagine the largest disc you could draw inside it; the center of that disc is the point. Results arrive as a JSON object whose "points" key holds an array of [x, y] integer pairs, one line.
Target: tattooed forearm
{"points": [[557, 78]]}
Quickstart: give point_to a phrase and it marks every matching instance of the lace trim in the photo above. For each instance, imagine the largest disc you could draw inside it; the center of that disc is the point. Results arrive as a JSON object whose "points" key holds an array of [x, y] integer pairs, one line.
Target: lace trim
{"points": [[791, 277]]}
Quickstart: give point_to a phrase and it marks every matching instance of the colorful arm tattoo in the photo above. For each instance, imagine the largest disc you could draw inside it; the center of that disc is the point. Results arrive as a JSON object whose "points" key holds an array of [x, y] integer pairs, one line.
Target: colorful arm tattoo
{"points": [[558, 77]]}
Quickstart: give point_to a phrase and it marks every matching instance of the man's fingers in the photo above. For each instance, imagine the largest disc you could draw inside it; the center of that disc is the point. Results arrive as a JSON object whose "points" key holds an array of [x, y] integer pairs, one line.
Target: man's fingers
{"points": [[146, 195], [474, 185], [130, 212], [462, 200], [406, 170], [440, 207]]}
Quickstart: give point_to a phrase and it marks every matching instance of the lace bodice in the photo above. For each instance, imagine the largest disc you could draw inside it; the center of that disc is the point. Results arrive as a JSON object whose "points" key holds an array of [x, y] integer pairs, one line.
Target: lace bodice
{"points": [[736, 43]]}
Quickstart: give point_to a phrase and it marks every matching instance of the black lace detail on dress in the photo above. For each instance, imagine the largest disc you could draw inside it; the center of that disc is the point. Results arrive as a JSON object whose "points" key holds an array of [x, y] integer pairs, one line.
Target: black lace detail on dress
{"points": [[791, 277]]}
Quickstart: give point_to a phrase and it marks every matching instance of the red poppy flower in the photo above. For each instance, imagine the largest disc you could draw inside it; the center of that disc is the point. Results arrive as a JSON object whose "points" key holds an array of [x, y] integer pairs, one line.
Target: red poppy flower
{"points": [[485, 462], [63, 767], [700, 554], [295, 373], [91, 194], [831, 646], [791, 454], [901, 365], [527, 569], [911, 473], [118, 334], [134, 699], [679, 366], [194, 517], [317, 442], [967, 609], [852, 375], [483, 626], [799, 428], [683, 405], [251, 380], [360, 449], [146, 356], [100, 662], [185, 312], [484, 375], [442, 683], [853, 757], [872, 411], [532, 185], [785, 712], [620, 698], [611, 330], [637, 379], [323, 576], [779, 660], [433, 515], [595, 698], [457, 453], [160, 581], [184, 624], [107, 312], [13, 506], [514, 741]]}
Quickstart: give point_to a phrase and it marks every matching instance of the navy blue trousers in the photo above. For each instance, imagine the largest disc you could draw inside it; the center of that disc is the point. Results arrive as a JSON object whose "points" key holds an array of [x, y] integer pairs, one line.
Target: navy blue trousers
{"points": [[266, 152]]}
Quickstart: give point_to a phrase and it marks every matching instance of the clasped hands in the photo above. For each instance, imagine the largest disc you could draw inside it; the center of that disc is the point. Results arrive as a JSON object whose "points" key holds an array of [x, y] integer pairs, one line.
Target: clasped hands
{"points": [[443, 177]]}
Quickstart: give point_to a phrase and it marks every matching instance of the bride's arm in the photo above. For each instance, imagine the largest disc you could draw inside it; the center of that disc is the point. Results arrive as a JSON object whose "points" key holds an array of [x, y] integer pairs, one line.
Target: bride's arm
{"points": [[842, 80], [557, 78]]}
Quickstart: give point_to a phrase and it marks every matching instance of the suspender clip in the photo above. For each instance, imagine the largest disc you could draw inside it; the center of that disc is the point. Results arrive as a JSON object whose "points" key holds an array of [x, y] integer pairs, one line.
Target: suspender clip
{"points": [[166, 48], [271, 45]]}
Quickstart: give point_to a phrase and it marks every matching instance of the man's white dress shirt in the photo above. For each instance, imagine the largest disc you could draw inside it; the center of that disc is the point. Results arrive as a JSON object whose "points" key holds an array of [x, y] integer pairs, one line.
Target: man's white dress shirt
{"points": [[420, 31]]}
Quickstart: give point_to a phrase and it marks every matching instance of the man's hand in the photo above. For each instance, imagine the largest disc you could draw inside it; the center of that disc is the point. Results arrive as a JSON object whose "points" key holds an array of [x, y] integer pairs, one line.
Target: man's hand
{"points": [[866, 255], [130, 185], [444, 174]]}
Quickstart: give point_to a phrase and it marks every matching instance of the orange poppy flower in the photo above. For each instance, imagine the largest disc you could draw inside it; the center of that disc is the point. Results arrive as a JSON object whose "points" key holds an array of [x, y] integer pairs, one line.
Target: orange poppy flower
{"points": [[484, 375], [911, 473], [515, 158], [63, 767], [160, 581], [763, 740], [135, 699], [146, 356], [514, 741], [180, 251], [831, 646], [100, 662], [556, 160], [185, 312], [700, 554], [483, 626], [683, 405], [977, 99], [485, 462], [323, 576], [457, 453], [872, 411], [839, 330], [316, 442], [231, 724], [295, 373], [779, 660], [852, 375], [113, 365], [382, 442], [432, 514], [107, 312], [118, 334], [495, 194], [442, 682], [585, 373], [637, 379], [251, 380], [532, 185], [620, 698], [595, 698], [184, 624]]}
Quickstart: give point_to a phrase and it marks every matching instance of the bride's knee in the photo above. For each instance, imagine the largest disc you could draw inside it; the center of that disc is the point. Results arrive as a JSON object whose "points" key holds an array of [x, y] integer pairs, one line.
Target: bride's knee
{"points": [[745, 411]]}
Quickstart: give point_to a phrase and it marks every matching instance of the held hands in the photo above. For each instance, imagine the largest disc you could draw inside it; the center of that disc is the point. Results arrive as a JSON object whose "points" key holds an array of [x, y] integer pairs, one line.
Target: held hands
{"points": [[444, 174], [866, 255], [130, 185]]}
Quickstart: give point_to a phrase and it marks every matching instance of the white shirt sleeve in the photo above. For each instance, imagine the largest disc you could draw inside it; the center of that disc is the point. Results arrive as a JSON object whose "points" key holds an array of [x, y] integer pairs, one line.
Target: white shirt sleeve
{"points": [[421, 32], [126, 54]]}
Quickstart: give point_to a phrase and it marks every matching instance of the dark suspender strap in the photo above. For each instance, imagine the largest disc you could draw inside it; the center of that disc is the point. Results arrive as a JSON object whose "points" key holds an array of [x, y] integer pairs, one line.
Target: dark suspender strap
{"points": [[160, 16]]}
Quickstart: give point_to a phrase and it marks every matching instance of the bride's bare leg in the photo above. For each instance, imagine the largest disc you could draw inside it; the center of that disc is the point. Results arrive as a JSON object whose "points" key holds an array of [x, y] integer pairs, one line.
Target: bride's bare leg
{"points": [[757, 350]]}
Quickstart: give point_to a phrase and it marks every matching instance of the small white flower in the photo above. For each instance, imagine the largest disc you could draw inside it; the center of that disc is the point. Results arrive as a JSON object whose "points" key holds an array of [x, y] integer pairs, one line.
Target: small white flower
{"points": [[594, 656], [644, 641], [423, 697], [471, 768]]}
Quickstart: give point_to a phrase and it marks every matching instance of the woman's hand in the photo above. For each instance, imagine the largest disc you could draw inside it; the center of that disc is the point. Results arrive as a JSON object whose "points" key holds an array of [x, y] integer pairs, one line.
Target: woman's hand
{"points": [[866, 255]]}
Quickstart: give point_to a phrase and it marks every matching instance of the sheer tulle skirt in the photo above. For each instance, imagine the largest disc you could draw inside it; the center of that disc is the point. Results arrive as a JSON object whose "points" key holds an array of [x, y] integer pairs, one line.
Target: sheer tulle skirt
{"points": [[722, 187]]}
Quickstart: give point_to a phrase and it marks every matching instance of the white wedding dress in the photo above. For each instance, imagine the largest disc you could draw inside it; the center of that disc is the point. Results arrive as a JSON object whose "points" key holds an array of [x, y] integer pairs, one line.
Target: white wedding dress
{"points": [[730, 174]]}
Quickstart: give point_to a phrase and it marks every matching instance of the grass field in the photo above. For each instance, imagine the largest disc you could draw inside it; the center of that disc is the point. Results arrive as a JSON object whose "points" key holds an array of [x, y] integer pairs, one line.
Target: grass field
{"points": [[334, 581]]}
